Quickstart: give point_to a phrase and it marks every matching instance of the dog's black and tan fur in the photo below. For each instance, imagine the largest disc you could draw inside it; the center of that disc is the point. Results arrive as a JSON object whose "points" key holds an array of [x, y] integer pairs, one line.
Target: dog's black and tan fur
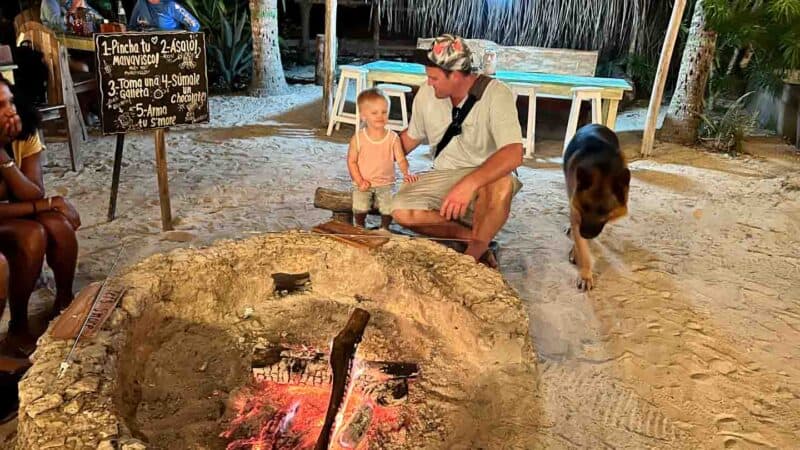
{"points": [[597, 179]]}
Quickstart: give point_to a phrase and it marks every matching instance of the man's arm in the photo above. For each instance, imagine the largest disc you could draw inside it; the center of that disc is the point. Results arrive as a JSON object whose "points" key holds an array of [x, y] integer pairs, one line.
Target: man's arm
{"points": [[409, 143], [500, 164]]}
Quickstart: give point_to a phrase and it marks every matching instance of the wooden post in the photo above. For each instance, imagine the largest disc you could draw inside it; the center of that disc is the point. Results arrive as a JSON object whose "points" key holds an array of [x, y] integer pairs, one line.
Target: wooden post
{"points": [[376, 28], [112, 203], [319, 71], [329, 60], [305, 18], [163, 182], [661, 77]]}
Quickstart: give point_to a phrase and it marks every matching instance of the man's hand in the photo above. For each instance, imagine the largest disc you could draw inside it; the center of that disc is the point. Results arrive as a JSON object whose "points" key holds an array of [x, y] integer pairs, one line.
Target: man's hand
{"points": [[61, 205], [363, 186], [457, 201], [410, 177]]}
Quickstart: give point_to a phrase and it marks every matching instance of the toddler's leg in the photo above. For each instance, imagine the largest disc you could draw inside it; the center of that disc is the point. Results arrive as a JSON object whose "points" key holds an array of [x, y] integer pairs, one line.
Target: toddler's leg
{"points": [[383, 196], [361, 204]]}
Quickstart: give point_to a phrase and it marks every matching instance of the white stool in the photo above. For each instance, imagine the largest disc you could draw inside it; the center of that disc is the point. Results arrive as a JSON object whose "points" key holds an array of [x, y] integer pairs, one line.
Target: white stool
{"points": [[579, 94], [339, 116], [529, 90], [399, 91]]}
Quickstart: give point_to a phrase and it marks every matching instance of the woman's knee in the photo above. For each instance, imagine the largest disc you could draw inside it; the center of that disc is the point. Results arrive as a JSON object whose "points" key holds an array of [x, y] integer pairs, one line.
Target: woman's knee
{"points": [[56, 225], [31, 239]]}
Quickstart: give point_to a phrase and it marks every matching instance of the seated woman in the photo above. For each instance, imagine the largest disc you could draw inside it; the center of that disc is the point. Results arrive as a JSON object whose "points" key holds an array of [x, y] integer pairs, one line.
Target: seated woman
{"points": [[32, 226], [53, 13], [162, 15]]}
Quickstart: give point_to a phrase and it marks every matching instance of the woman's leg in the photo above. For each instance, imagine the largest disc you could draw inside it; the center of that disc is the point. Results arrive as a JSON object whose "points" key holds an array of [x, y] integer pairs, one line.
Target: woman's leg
{"points": [[23, 242], [62, 255]]}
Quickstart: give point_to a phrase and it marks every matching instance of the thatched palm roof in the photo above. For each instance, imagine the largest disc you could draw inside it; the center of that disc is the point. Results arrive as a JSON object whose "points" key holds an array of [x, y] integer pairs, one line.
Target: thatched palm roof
{"points": [[614, 27]]}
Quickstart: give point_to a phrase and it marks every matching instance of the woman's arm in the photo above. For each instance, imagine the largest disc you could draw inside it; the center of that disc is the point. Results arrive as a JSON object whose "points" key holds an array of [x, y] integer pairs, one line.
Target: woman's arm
{"points": [[24, 209], [22, 183], [183, 16]]}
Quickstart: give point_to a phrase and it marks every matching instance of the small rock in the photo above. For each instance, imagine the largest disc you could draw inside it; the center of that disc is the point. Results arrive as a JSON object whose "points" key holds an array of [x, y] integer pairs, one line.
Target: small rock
{"points": [[203, 367], [697, 213], [132, 444], [88, 384], [694, 326], [106, 445], [178, 236], [247, 313], [55, 443], [45, 403], [73, 407]]}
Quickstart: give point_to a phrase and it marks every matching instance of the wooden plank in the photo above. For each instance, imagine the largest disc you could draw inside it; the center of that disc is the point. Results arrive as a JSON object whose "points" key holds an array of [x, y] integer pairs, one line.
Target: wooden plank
{"points": [[84, 43], [112, 202], [329, 63], [557, 61], [69, 323], [102, 310], [661, 77], [349, 234], [553, 85], [163, 180]]}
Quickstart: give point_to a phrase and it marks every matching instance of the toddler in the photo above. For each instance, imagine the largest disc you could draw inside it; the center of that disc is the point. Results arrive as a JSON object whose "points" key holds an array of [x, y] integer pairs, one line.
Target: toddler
{"points": [[370, 159]]}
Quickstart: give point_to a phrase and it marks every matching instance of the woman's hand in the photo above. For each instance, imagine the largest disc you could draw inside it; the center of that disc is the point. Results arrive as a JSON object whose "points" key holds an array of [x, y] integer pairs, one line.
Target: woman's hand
{"points": [[363, 186], [60, 204], [410, 177]]}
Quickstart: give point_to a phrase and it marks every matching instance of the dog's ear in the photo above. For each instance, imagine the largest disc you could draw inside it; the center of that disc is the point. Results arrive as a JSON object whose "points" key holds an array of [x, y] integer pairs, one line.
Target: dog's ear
{"points": [[621, 183], [585, 177]]}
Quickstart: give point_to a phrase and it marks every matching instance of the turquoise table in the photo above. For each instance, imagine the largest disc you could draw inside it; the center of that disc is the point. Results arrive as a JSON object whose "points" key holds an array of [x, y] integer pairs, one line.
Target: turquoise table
{"points": [[550, 85]]}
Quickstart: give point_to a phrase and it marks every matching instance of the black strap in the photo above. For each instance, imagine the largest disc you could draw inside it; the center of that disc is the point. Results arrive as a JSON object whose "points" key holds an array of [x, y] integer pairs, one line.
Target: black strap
{"points": [[460, 114]]}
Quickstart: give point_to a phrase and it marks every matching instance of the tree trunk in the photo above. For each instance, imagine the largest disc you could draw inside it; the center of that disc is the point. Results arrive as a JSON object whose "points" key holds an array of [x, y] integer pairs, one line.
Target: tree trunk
{"points": [[268, 77], [683, 116]]}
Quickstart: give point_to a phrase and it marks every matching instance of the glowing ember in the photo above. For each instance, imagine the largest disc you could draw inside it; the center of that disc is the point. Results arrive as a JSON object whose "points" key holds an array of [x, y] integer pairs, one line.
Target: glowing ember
{"points": [[271, 415], [289, 414]]}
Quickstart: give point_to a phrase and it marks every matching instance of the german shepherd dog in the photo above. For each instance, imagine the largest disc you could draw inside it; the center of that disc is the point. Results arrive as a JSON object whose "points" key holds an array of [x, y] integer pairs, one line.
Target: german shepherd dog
{"points": [[597, 179]]}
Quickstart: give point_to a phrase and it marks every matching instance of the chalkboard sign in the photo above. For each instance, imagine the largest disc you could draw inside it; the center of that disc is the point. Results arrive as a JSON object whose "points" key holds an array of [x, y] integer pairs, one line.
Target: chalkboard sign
{"points": [[151, 80]]}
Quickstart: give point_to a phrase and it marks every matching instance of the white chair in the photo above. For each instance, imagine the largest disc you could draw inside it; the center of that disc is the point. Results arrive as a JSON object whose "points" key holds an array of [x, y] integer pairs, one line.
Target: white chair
{"points": [[580, 94], [339, 116], [529, 90], [398, 91]]}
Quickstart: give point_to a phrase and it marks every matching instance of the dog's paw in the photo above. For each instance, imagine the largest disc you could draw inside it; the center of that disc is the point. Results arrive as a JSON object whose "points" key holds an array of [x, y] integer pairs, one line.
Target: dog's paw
{"points": [[585, 281], [571, 256], [568, 230]]}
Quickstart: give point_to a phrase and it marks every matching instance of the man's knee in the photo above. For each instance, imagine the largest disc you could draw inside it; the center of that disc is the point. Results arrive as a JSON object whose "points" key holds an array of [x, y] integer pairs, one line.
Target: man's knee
{"points": [[403, 216], [499, 192]]}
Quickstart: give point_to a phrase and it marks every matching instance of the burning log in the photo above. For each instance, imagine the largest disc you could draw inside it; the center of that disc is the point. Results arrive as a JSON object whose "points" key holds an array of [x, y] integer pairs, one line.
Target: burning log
{"points": [[343, 352]]}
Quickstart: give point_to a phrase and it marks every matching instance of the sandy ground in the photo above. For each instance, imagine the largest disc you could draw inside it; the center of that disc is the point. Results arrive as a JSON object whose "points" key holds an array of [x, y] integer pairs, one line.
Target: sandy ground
{"points": [[690, 339]]}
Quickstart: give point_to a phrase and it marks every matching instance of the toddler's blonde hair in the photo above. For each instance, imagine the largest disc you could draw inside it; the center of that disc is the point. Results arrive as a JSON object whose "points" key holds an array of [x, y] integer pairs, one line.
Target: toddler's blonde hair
{"points": [[372, 94]]}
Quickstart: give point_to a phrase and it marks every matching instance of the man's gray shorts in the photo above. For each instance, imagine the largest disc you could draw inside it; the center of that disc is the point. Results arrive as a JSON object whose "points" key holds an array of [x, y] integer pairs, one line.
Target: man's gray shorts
{"points": [[428, 192]]}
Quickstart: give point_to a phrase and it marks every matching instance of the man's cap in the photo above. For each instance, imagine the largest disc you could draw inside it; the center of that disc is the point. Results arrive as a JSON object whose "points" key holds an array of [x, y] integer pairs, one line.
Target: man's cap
{"points": [[448, 52]]}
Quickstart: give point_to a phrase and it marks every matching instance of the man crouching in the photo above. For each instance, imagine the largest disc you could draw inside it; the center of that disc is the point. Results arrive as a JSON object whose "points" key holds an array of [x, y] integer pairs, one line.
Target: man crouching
{"points": [[471, 123]]}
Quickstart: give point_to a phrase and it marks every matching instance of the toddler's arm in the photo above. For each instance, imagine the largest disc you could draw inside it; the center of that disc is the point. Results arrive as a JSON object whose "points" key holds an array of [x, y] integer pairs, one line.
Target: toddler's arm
{"points": [[400, 157], [352, 166]]}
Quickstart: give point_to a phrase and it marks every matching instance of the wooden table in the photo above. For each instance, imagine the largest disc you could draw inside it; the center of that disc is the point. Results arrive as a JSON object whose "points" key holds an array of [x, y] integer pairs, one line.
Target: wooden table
{"points": [[74, 42], [8, 72], [551, 85]]}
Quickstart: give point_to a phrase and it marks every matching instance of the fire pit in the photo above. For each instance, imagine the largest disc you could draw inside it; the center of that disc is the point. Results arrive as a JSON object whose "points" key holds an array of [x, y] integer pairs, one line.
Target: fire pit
{"points": [[205, 352]]}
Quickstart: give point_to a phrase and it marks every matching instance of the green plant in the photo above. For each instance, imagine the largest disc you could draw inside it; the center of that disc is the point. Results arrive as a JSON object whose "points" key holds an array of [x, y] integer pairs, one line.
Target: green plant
{"points": [[726, 132], [767, 31], [232, 47]]}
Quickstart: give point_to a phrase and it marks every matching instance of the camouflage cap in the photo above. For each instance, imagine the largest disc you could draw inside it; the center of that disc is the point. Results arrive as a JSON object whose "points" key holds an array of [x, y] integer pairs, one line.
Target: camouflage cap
{"points": [[450, 52]]}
